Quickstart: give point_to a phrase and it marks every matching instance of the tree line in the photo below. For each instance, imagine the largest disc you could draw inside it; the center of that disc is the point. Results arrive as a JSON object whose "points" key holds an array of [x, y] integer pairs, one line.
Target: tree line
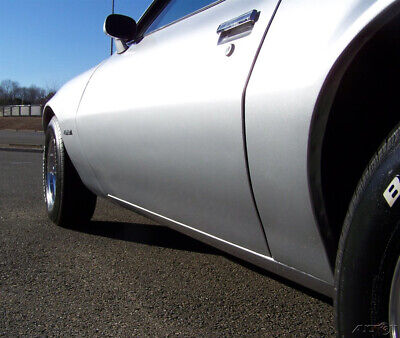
{"points": [[12, 93]]}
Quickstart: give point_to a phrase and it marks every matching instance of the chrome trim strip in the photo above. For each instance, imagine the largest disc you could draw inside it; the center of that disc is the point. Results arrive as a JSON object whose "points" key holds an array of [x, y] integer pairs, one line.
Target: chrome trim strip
{"points": [[193, 229], [263, 261], [182, 18]]}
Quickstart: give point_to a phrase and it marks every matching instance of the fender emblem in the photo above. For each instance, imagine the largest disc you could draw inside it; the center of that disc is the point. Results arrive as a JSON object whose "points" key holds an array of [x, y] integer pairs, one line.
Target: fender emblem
{"points": [[67, 132]]}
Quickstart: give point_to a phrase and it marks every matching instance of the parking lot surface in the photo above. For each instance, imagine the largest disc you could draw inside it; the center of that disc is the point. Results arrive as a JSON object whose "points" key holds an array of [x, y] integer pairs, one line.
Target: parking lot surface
{"points": [[122, 274], [21, 137]]}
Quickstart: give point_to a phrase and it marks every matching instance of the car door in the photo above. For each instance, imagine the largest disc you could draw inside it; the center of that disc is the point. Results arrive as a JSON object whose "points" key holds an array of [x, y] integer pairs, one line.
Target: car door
{"points": [[161, 124]]}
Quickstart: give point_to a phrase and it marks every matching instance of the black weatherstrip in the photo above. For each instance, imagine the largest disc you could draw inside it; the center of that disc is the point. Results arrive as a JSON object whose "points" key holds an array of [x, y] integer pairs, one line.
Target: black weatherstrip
{"points": [[244, 120]]}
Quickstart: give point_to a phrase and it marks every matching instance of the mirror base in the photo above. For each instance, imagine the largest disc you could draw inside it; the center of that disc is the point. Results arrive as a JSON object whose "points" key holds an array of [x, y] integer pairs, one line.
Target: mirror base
{"points": [[120, 45]]}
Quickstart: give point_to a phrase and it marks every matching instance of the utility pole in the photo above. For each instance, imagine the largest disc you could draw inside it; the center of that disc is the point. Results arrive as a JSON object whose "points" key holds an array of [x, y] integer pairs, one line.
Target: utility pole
{"points": [[112, 11]]}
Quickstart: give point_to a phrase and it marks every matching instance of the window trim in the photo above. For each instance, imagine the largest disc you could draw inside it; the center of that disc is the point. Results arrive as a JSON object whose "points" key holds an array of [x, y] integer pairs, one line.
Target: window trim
{"points": [[156, 8]]}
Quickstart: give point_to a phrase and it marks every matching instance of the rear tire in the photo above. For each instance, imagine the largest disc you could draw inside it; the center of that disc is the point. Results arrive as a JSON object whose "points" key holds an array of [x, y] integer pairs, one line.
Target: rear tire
{"points": [[68, 201], [369, 249]]}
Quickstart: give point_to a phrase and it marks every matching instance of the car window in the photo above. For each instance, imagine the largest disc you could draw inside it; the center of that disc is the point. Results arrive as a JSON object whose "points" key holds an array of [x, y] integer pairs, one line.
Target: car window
{"points": [[175, 10]]}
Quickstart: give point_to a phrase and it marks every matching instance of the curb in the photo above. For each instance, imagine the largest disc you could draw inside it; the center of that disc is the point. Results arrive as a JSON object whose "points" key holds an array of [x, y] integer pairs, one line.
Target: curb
{"points": [[28, 131], [21, 148], [23, 130]]}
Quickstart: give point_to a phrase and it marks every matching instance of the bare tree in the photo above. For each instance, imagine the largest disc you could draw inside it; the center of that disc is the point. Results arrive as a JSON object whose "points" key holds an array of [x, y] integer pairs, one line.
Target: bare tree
{"points": [[2, 95], [34, 93], [12, 93], [10, 89]]}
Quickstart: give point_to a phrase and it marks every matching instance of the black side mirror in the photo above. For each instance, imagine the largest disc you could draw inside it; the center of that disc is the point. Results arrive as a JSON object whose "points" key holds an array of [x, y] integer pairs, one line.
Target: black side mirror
{"points": [[122, 28]]}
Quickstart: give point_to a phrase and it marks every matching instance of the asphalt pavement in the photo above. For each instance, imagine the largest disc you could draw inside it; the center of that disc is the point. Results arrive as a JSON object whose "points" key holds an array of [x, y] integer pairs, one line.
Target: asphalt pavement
{"points": [[21, 137], [123, 275]]}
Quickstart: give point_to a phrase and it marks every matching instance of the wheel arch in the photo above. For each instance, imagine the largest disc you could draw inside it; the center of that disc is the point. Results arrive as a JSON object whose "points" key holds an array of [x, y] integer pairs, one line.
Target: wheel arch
{"points": [[48, 114], [57, 107], [323, 136]]}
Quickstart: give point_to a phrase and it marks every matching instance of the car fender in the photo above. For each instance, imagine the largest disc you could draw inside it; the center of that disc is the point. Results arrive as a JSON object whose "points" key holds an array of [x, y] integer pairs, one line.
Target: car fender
{"points": [[64, 105], [292, 70], [347, 48]]}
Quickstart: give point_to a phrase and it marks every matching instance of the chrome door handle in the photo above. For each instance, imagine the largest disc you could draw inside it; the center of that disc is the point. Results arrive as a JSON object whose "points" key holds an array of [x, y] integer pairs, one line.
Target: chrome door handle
{"points": [[247, 19]]}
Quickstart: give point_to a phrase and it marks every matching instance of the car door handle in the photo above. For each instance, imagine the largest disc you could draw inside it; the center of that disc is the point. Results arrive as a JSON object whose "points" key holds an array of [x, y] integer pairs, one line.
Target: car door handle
{"points": [[247, 19], [238, 27]]}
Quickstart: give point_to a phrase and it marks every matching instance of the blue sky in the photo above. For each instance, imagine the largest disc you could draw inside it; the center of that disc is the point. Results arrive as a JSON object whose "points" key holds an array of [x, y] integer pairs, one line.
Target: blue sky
{"points": [[47, 42]]}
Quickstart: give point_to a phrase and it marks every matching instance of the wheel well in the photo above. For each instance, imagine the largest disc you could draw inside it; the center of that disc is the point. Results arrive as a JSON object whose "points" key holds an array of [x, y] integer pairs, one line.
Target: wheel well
{"points": [[365, 109], [47, 116]]}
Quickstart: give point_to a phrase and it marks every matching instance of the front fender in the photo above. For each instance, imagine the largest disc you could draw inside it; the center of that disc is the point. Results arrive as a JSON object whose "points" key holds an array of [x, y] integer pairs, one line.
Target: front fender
{"points": [[64, 105], [66, 101]]}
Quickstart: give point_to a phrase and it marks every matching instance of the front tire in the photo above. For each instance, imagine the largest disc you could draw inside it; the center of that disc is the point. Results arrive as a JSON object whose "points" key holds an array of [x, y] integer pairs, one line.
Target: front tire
{"points": [[68, 201], [369, 249]]}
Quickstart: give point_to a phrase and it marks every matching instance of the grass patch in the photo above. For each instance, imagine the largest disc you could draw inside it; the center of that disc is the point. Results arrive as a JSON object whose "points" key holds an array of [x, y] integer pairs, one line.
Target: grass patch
{"points": [[21, 123]]}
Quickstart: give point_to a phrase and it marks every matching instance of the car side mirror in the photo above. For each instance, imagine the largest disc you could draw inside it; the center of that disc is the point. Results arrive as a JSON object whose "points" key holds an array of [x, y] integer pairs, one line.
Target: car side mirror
{"points": [[121, 28]]}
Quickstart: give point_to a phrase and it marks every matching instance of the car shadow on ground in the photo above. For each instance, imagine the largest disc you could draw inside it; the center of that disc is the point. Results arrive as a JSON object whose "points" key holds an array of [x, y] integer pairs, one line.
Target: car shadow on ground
{"points": [[157, 235], [149, 234]]}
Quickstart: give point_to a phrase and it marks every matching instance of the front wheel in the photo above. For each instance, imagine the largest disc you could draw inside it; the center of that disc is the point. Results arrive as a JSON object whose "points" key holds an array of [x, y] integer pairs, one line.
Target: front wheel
{"points": [[68, 201]]}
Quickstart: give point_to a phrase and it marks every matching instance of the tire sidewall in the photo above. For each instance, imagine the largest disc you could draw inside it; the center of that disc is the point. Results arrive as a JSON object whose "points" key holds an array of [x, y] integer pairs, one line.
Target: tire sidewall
{"points": [[369, 249]]}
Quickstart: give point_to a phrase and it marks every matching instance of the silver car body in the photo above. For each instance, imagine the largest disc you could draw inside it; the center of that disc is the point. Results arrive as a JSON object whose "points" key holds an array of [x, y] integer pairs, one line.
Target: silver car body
{"points": [[218, 146]]}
